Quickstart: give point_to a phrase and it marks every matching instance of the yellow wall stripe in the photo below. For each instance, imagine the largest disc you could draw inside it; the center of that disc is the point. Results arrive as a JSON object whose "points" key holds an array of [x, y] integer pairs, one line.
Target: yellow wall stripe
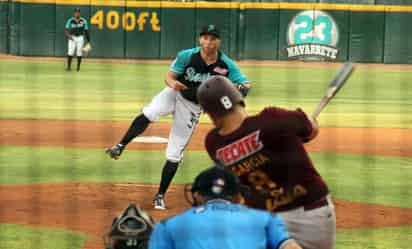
{"points": [[223, 5], [398, 8], [259, 6], [366, 8], [220, 5]]}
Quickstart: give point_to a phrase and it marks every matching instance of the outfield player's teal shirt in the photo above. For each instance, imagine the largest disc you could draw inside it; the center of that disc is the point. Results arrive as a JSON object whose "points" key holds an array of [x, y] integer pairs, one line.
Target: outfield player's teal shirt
{"points": [[220, 225], [77, 28]]}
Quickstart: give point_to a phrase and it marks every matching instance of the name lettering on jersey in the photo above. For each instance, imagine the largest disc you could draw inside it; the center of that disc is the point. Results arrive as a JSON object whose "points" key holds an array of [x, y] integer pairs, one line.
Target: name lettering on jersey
{"points": [[191, 75], [78, 25], [240, 149], [249, 164], [285, 198]]}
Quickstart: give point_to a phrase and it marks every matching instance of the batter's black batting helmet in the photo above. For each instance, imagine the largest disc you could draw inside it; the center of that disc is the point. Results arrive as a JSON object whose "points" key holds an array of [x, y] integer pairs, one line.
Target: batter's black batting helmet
{"points": [[217, 95], [130, 230]]}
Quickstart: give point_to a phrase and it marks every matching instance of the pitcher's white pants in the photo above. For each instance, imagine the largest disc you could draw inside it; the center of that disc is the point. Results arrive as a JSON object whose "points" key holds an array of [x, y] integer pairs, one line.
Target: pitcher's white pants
{"points": [[185, 118]]}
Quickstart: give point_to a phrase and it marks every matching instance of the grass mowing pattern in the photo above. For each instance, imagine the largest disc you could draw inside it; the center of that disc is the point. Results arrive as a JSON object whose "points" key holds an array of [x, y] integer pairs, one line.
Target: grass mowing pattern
{"points": [[372, 179], [105, 91]]}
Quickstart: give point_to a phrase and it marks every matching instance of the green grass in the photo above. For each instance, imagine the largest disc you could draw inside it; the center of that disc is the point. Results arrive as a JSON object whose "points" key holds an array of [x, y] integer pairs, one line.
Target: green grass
{"points": [[373, 179], [382, 238], [22, 237], [105, 91], [363, 178], [46, 164]]}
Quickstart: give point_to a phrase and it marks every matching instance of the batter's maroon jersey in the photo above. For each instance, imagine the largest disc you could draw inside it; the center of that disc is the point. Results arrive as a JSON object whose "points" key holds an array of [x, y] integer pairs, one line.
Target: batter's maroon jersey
{"points": [[268, 155]]}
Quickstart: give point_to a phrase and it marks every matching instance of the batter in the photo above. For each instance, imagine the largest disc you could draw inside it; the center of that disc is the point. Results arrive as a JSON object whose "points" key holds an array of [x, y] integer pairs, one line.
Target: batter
{"points": [[266, 152], [190, 68]]}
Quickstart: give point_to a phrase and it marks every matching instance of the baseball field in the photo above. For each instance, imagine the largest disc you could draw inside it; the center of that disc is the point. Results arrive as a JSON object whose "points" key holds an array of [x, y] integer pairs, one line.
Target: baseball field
{"points": [[59, 190]]}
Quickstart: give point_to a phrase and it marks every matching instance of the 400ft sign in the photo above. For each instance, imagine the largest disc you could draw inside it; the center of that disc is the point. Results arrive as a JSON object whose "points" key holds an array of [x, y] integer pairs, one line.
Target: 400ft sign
{"points": [[314, 34], [128, 21]]}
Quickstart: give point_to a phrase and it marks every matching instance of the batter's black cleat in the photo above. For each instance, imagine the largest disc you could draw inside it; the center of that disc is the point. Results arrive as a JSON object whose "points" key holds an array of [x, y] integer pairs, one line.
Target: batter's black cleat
{"points": [[115, 151], [68, 69], [159, 202]]}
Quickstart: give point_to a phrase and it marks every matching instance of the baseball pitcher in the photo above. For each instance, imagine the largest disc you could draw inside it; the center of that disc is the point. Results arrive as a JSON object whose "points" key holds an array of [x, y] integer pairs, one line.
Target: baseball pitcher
{"points": [[217, 221], [190, 68], [266, 152], [76, 31]]}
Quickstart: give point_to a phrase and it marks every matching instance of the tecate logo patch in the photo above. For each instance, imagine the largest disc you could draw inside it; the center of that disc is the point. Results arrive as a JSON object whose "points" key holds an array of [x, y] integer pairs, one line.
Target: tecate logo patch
{"points": [[240, 149]]}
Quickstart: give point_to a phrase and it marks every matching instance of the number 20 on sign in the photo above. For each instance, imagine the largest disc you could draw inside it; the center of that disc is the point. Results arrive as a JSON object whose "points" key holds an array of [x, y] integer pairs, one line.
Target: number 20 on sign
{"points": [[128, 20]]}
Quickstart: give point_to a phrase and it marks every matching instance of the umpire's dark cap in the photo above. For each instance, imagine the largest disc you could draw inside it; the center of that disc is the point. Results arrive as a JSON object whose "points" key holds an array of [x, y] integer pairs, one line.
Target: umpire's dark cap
{"points": [[210, 29], [216, 182], [217, 95], [76, 9]]}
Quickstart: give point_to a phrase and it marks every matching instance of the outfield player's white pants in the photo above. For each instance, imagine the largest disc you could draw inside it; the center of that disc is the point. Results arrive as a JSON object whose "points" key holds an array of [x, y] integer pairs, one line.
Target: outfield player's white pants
{"points": [[75, 46], [312, 229], [185, 118]]}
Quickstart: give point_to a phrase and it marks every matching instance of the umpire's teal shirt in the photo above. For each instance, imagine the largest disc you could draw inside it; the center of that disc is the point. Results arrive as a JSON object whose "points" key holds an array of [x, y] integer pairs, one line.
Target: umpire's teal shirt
{"points": [[220, 225]]}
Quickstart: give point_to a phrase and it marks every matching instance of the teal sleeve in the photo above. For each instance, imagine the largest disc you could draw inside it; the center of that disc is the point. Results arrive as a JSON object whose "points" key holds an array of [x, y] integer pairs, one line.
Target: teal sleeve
{"points": [[160, 238], [86, 24], [234, 72], [277, 233], [68, 23], [182, 59]]}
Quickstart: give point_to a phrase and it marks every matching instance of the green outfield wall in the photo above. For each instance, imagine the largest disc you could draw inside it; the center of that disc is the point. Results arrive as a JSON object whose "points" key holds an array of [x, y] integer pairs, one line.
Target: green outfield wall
{"points": [[153, 30], [4, 15]]}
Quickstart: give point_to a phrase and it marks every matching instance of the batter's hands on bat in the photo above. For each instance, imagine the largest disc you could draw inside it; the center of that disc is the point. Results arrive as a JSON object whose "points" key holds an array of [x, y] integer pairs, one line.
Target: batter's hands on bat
{"points": [[115, 151], [315, 128]]}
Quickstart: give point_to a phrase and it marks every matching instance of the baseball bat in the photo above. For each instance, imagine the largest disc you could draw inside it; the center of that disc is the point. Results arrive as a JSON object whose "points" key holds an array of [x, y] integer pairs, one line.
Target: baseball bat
{"points": [[334, 86]]}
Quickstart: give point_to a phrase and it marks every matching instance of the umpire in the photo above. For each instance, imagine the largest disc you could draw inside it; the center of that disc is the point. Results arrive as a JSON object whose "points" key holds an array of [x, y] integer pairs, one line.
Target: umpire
{"points": [[216, 222], [76, 30]]}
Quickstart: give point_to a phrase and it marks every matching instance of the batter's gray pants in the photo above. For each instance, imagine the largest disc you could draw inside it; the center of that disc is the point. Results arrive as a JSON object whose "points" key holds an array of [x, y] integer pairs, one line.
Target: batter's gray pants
{"points": [[312, 229]]}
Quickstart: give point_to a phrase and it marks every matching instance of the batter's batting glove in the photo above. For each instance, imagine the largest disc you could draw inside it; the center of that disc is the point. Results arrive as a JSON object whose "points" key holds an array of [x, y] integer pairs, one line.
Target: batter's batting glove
{"points": [[115, 151]]}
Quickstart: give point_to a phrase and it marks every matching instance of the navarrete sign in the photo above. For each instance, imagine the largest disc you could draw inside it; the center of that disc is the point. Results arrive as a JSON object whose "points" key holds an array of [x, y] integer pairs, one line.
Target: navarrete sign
{"points": [[313, 34]]}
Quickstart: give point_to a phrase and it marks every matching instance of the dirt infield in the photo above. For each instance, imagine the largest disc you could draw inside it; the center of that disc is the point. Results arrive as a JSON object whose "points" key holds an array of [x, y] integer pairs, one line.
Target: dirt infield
{"points": [[90, 207], [95, 134]]}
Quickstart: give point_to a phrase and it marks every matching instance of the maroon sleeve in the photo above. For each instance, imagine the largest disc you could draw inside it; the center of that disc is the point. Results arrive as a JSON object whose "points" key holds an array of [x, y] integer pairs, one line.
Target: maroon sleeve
{"points": [[209, 144], [291, 121]]}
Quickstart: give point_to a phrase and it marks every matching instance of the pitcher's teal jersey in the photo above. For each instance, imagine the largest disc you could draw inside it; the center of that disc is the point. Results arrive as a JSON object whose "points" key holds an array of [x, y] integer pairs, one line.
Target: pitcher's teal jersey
{"points": [[192, 70], [220, 224]]}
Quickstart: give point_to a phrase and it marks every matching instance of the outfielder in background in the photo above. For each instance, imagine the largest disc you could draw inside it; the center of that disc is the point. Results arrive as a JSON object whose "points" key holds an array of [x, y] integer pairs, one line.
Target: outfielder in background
{"points": [[266, 152], [190, 68], [216, 221], [76, 31]]}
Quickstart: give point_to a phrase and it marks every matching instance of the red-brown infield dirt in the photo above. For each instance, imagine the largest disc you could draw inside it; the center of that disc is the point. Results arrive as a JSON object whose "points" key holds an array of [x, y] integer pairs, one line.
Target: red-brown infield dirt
{"points": [[90, 207]]}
